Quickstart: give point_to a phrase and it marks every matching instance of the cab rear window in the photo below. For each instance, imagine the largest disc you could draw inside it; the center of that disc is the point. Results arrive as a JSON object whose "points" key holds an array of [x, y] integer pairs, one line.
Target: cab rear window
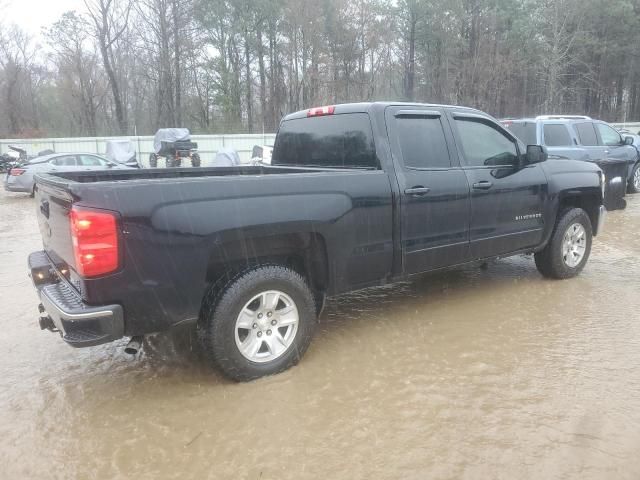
{"points": [[337, 141]]}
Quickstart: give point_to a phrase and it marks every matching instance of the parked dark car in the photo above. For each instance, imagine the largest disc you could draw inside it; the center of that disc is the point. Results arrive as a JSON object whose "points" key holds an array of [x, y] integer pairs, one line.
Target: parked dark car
{"points": [[634, 180], [581, 138], [357, 195]]}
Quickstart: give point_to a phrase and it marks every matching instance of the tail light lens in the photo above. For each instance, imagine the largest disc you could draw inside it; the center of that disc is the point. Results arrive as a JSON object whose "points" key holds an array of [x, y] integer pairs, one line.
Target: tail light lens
{"points": [[95, 241], [16, 172]]}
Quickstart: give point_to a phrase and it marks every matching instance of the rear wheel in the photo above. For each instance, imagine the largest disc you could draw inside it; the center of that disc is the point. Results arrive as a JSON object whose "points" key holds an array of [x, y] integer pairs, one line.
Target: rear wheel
{"points": [[195, 160], [568, 250], [634, 181], [153, 160], [260, 324]]}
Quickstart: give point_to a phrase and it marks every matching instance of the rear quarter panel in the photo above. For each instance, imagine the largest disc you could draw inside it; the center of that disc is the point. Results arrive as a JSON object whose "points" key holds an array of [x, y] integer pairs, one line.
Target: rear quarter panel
{"points": [[172, 229]]}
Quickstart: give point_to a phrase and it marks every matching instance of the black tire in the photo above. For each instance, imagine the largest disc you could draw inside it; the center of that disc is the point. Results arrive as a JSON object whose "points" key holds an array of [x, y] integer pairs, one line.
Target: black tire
{"points": [[550, 261], [222, 306], [195, 160], [634, 180], [153, 160], [173, 162], [33, 192]]}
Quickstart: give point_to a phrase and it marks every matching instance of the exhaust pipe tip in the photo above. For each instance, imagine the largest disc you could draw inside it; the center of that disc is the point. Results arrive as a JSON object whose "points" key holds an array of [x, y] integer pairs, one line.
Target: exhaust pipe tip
{"points": [[134, 345]]}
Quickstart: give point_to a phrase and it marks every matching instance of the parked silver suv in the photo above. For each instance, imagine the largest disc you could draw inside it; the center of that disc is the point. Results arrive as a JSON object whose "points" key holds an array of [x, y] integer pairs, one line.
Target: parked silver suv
{"points": [[579, 137]]}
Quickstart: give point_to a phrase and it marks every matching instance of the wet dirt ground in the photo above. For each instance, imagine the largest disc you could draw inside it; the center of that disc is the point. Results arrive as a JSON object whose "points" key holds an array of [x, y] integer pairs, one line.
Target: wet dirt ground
{"points": [[474, 374]]}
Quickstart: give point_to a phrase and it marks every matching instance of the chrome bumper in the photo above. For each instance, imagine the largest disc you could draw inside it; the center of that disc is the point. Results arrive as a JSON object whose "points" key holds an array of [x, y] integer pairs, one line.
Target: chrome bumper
{"points": [[63, 310]]}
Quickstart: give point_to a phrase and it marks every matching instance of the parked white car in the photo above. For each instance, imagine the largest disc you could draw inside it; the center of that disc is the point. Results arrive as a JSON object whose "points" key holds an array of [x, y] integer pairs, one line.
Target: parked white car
{"points": [[22, 177]]}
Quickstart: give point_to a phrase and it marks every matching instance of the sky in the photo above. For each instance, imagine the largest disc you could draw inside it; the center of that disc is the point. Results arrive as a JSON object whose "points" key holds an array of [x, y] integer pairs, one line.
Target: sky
{"points": [[32, 15]]}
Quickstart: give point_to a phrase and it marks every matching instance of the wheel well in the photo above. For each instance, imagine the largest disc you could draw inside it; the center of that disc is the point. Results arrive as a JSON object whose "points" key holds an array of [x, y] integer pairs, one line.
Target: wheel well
{"points": [[588, 203], [304, 253]]}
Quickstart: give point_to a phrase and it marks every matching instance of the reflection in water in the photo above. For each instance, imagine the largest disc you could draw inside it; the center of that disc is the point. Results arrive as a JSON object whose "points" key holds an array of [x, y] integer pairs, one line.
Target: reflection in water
{"points": [[473, 373]]}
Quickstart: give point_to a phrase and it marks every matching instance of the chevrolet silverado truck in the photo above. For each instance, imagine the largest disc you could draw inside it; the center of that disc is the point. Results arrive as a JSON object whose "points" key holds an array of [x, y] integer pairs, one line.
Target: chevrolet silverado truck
{"points": [[357, 195]]}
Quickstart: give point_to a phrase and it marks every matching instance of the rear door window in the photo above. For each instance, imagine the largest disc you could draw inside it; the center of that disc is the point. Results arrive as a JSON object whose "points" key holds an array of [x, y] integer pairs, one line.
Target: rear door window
{"points": [[587, 134], [422, 142], [342, 141], [556, 135], [64, 161], [525, 131], [92, 161]]}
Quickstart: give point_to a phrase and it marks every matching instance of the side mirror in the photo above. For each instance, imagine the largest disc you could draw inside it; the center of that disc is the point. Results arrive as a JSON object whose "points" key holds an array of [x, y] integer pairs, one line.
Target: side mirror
{"points": [[536, 154], [628, 140]]}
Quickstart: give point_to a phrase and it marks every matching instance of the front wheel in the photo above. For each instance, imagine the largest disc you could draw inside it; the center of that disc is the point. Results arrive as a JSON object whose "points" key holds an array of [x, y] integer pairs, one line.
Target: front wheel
{"points": [[260, 324], [569, 248], [634, 181], [195, 160], [153, 160]]}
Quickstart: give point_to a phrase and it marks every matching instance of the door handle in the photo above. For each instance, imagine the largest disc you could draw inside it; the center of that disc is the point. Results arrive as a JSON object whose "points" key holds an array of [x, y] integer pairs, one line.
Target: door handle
{"points": [[484, 185], [417, 191]]}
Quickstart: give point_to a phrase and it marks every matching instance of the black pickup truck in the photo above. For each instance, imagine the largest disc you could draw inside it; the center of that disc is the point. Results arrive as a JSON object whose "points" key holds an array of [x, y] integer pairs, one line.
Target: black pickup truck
{"points": [[357, 195]]}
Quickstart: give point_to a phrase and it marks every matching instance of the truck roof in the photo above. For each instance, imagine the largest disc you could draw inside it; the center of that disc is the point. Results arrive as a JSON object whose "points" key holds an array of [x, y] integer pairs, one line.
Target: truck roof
{"points": [[554, 118], [365, 107]]}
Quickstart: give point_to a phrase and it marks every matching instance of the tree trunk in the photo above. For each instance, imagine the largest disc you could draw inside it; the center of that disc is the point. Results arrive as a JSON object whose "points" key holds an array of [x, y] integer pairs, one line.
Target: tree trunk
{"points": [[272, 85], [115, 88], [409, 92], [263, 79], [248, 93], [177, 65]]}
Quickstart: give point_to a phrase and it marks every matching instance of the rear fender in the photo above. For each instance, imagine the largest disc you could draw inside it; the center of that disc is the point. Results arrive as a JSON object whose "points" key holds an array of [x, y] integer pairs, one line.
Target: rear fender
{"points": [[305, 253]]}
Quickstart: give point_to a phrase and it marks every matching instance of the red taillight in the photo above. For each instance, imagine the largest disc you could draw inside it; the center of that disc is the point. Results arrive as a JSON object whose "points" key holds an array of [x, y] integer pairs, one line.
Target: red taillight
{"points": [[319, 111], [15, 172], [95, 241]]}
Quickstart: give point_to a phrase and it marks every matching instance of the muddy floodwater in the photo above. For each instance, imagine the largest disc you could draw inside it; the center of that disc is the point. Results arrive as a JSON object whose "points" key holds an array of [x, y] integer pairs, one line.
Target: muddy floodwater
{"points": [[473, 374]]}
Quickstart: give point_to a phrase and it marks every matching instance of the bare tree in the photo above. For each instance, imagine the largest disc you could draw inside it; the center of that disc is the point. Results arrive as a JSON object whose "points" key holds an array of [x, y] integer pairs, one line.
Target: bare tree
{"points": [[18, 55], [79, 78], [110, 20]]}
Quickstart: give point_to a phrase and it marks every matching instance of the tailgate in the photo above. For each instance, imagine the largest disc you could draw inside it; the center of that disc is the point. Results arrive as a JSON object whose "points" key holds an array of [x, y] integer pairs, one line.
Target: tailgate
{"points": [[53, 205]]}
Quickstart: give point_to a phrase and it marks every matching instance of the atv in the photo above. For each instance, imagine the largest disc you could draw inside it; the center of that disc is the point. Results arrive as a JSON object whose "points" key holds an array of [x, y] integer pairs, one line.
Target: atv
{"points": [[174, 145]]}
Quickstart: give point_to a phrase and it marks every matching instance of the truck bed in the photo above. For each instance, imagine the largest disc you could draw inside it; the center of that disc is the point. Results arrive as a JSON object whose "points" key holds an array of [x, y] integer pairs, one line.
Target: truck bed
{"points": [[179, 227]]}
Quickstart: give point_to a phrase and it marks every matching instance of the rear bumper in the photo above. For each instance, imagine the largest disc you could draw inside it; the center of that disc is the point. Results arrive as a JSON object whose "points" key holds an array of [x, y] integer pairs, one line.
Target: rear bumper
{"points": [[14, 187], [79, 324]]}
